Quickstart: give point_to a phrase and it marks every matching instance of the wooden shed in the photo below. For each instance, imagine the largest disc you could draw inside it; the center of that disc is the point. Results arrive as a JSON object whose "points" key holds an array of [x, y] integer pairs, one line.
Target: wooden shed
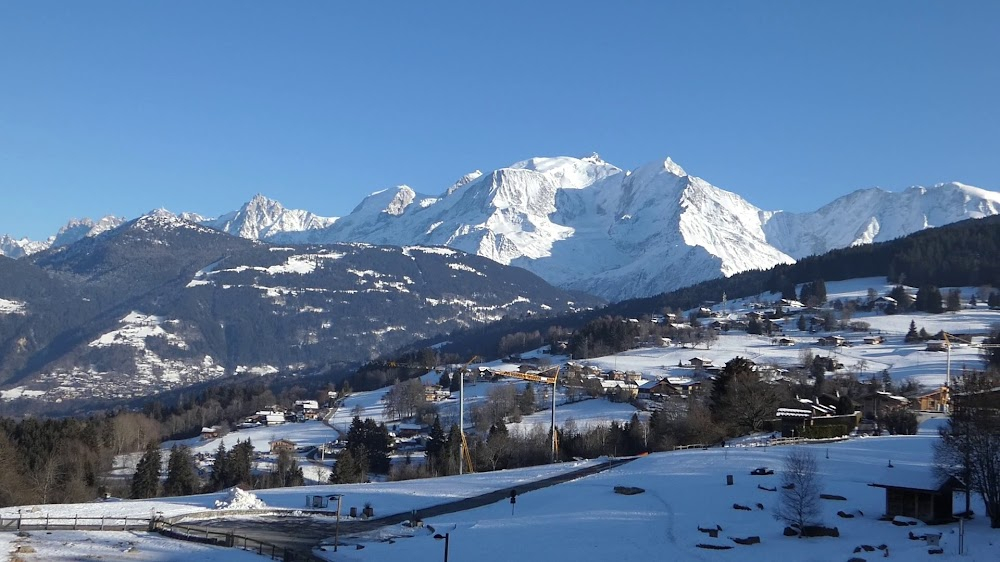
{"points": [[922, 496]]}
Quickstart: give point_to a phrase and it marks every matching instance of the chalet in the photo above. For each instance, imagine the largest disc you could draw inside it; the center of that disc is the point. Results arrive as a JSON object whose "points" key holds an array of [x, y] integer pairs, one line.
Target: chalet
{"points": [[874, 340], [936, 401], [308, 409], [831, 341], [279, 445], [879, 403], [700, 362], [407, 430], [656, 390], [657, 341], [882, 303], [210, 432], [918, 494], [816, 408], [723, 325], [436, 393], [270, 417], [937, 346], [785, 342], [633, 376], [631, 388], [685, 386]]}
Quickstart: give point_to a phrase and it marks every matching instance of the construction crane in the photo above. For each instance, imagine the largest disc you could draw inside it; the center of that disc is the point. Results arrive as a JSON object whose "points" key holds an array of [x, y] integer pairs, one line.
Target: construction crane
{"points": [[544, 378], [466, 456]]}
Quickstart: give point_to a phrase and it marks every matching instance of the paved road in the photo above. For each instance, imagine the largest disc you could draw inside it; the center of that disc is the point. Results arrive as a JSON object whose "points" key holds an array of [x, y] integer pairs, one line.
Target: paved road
{"points": [[301, 534]]}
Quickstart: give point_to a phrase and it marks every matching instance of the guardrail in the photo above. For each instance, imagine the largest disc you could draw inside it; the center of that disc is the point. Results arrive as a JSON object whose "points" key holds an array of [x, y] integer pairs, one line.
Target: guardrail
{"points": [[75, 523], [228, 539], [775, 442], [159, 525]]}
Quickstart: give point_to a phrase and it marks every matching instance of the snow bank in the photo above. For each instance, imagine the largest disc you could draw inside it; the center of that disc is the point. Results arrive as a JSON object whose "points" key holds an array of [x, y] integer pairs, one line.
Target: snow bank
{"points": [[240, 500]]}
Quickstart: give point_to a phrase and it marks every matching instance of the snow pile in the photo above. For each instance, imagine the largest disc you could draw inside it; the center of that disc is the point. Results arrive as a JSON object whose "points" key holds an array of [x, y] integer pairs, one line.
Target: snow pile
{"points": [[240, 500]]}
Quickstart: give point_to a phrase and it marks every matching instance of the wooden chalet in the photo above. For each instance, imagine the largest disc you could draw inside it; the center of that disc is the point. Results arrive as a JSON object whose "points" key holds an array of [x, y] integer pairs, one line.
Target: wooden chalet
{"points": [[936, 401], [210, 432], [700, 362], [879, 403], [831, 341], [918, 494], [279, 445]]}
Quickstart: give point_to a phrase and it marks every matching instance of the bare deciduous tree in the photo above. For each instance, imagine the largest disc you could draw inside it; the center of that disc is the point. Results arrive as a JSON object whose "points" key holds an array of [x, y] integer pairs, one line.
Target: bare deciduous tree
{"points": [[970, 444], [798, 504]]}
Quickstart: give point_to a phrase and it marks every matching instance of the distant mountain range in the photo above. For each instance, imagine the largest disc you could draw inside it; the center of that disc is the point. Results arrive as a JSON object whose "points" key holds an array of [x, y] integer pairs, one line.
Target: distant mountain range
{"points": [[161, 302], [587, 225]]}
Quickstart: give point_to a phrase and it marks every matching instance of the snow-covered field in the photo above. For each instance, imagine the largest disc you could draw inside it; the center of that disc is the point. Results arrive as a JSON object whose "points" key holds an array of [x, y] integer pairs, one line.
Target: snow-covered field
{"points": [[584, 519]]}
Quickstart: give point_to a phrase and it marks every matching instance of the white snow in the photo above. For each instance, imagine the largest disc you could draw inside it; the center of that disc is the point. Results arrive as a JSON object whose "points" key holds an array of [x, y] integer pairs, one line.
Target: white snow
{"points": [[136, 327], [239, 499], [11, 307]]}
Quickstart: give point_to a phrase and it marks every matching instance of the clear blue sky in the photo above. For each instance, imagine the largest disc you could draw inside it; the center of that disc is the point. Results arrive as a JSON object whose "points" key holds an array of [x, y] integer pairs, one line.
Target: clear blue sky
{"points": [[122, 107]]}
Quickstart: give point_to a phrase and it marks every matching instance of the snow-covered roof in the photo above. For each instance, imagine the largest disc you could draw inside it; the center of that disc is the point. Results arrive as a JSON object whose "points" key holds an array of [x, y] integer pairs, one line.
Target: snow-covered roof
{"points": [[910, 478], [793, 413]]}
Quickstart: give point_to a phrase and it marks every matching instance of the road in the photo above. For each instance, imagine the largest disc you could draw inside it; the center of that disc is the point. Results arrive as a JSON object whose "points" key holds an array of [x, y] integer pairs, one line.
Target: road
{"points": [[302, 534]]}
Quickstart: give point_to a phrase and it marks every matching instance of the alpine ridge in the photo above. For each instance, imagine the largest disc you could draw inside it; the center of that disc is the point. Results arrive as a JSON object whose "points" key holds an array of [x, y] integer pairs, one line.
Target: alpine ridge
{"points": [[585, 224]]}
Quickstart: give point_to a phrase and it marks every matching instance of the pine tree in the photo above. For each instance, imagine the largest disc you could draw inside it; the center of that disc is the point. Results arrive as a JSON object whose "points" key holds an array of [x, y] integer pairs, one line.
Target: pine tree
{"points": [[181, 477], [912, 335], [351, 467], [146, 480], [902, 298], [241, 461], [954, 300], [801, 323], [819, 291], [222, 470]]}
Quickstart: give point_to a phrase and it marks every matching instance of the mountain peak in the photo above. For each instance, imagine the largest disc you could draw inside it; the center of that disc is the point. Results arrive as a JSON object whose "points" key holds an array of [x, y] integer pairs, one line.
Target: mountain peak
{"points": [[464, 181]]}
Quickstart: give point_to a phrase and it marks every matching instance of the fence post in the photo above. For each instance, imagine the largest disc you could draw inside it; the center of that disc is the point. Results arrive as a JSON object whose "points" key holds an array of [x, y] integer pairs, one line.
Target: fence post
{"points": [[102, 522], [76, 518], [46, 521]]}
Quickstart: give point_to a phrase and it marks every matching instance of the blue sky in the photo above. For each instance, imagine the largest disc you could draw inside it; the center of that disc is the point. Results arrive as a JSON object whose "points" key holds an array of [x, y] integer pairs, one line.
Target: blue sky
{"points": [[122, 107]]}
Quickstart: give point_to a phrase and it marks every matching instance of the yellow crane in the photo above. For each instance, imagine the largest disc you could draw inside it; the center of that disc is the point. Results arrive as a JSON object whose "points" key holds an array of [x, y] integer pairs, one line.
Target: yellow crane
{"points": [[544, 378], [466, 456]]}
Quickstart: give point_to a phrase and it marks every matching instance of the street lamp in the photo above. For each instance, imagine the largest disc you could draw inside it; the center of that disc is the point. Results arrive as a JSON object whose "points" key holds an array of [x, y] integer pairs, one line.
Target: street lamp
{"points": [[336, 532], [445, 537]]}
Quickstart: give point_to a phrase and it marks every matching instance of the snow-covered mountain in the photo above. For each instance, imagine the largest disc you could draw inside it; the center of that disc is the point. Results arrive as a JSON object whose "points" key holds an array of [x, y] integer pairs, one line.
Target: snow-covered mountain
{"points": [[582, 223], [73, 231], [875, 215], [262, 218]]}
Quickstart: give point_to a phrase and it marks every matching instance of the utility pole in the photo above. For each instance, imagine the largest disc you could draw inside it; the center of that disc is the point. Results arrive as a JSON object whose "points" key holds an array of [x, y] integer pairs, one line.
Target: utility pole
{"points": [[461, 430], [336, 532]]}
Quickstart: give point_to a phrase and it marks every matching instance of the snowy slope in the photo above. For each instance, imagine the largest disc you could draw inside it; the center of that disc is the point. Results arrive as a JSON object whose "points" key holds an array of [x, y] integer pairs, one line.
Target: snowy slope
{"points": [[875, 215]]}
